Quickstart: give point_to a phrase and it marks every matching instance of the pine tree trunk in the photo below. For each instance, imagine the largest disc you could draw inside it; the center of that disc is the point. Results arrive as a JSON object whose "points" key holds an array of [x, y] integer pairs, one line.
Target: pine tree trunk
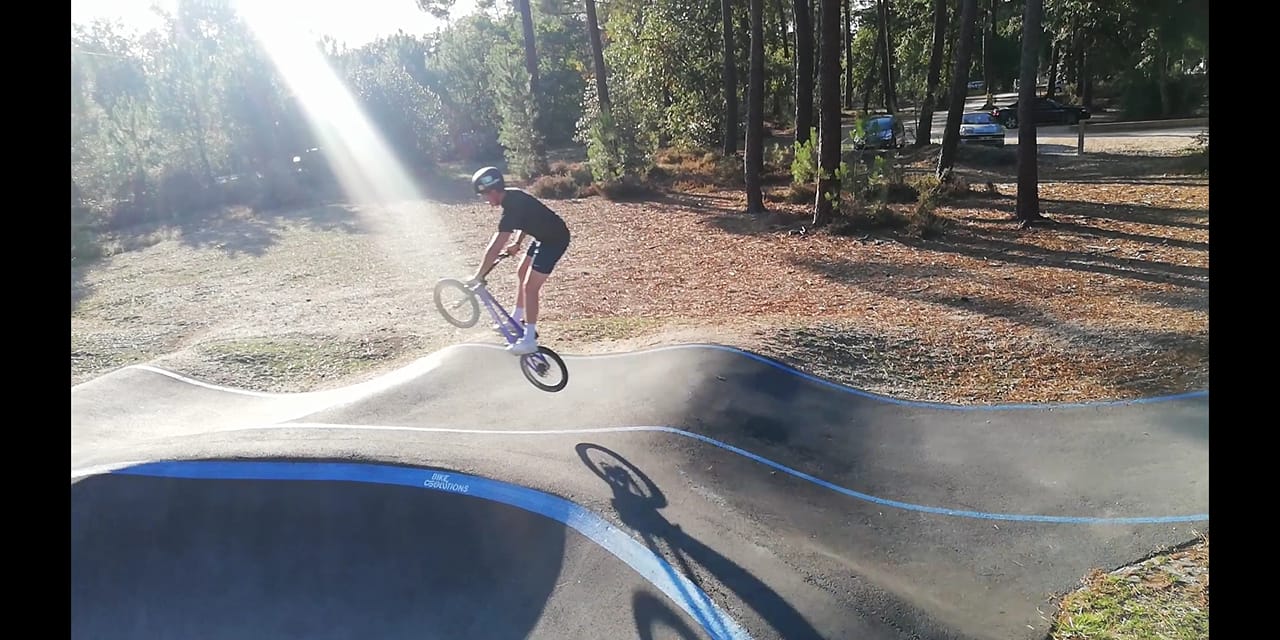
{"points": [[1053, 69], [597, 56], [848, 56], [829, 134], [924, 128], [754, 156], [988, 54], [535, 92], [730, 81], [1028, 170], [959, 80], [871, 78], [886, 69], [804, 69]]}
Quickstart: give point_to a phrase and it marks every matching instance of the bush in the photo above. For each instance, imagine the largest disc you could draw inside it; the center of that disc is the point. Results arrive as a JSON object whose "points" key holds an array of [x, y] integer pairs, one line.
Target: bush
{"points": [[856, 219], [554, 187], [924, 183], [1141, 97], [578, 172], [624, 188], [924, 220], [697, 166]]}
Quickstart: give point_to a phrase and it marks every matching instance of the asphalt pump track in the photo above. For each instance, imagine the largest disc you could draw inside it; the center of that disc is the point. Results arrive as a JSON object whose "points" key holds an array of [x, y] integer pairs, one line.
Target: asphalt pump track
{"points": [[684, 492]]}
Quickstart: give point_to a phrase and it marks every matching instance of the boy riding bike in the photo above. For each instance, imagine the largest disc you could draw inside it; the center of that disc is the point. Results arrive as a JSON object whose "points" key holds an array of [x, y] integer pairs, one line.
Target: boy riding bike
{"points": [[523, 215]]}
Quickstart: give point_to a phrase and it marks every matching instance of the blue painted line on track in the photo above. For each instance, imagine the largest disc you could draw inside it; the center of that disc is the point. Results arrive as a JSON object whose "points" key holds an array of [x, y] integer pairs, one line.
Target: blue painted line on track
{"points": [[897, 504], [644, 561]]}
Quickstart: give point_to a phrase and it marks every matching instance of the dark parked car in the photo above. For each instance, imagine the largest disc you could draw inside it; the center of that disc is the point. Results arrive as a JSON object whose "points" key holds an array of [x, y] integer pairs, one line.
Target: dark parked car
{"points": [[1047, 112], [882, 132], [981, 127]]}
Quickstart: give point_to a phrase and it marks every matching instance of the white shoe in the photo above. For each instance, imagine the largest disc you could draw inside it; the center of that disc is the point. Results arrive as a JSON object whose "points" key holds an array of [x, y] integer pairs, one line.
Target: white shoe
{"points": [[525, 345]]}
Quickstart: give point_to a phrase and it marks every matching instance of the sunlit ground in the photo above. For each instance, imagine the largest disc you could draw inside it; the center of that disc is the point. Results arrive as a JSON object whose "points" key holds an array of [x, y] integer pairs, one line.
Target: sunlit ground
{"points": [[392, 208]]}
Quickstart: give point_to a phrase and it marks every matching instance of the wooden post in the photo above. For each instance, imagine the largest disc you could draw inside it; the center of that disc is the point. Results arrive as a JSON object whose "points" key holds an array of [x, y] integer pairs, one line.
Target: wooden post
{"points": [[1080, 138]]}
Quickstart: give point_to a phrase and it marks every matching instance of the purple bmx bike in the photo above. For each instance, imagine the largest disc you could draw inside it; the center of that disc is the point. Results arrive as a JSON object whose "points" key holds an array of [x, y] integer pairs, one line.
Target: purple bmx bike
{"points": [[460, 303]]}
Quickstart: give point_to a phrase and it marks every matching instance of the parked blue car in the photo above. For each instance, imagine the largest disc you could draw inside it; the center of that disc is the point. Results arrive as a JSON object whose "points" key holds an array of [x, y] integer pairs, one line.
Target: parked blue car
{"points": [[980, 127], [882, 132]]}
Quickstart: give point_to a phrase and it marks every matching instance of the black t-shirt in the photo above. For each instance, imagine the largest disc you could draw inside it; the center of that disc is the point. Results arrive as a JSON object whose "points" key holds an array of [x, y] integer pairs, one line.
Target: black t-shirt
{"points": [[524, 212]]}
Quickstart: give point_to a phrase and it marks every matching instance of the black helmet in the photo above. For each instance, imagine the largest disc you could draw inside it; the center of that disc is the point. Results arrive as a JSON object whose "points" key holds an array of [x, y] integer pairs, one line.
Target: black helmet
{"points": [[486, 179]]}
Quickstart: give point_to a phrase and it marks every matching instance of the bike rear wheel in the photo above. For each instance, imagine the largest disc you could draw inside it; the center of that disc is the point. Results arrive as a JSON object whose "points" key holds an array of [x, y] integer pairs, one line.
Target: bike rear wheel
{"points": [[543, 368], [457, 303]]}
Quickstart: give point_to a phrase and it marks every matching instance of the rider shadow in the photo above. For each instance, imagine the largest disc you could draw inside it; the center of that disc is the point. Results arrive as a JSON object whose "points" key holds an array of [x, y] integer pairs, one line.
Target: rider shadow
{"points": [[636, 499]]}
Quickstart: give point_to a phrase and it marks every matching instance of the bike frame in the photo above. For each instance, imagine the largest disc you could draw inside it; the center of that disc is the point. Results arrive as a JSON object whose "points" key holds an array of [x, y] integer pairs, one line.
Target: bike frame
{"points": [[503, 323]]}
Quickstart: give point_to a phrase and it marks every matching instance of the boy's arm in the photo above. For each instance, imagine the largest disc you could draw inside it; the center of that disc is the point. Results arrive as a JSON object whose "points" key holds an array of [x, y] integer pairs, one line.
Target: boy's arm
{"points": [[491, 253], [514, 246]]}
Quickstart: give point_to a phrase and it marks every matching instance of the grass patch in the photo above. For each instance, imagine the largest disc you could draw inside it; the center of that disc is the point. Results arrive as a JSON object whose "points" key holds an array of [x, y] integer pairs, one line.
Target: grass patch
{"points": [[1160, 599], [607, 328], [307, 357]]}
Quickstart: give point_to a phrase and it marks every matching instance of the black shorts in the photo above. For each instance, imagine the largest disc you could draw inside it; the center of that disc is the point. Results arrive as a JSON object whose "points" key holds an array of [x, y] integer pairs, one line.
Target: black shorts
{"points": [[545, 256]]}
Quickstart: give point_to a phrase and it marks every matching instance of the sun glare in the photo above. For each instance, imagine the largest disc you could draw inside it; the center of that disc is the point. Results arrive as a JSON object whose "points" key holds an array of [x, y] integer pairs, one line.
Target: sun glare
{"points": [[364, 164]]}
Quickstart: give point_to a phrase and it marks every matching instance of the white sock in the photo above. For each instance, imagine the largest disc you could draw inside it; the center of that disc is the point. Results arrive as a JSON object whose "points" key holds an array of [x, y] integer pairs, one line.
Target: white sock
{"points": [[518, 315], [530, 330]]}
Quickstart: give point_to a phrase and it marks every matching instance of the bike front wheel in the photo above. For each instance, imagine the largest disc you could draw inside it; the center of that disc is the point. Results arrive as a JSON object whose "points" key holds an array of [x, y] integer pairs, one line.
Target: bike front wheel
{"points": [[457, 303], [545, 369]]}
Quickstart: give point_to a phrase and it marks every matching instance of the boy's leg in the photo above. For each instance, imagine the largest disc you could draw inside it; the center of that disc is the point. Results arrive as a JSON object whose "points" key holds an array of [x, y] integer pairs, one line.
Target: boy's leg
{"points": [[521, 274], [531, 288], [540, 269]]}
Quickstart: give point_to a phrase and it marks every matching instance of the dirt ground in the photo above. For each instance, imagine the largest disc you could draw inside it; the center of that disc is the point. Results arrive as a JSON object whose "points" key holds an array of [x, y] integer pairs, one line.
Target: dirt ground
{"points": [[1110, 302]]}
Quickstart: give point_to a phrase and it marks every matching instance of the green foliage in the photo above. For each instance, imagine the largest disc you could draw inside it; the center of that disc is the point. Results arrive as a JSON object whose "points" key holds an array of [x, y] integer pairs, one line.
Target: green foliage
{"points": [[665, 60], [518, 112], [1143, 97], [407, 115], [564, 71], [457, 70], [924, 221], [160, 121], [804, 164], [613, 149], [841, 174]]}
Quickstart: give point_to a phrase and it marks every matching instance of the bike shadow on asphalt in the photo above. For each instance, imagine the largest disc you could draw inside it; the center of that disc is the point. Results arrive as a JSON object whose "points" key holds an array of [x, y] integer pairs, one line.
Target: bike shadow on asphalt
{"points": [[637, 500]]}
